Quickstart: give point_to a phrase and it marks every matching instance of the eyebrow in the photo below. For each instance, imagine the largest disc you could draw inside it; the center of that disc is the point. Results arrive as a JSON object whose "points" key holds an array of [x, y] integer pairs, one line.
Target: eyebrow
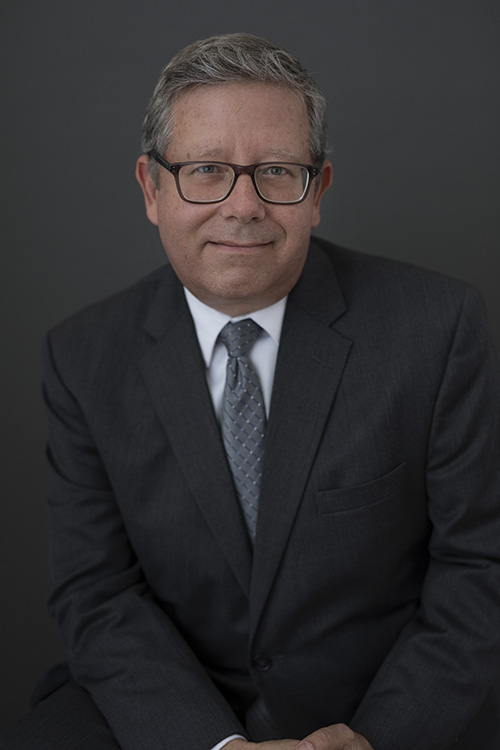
{"points": [[286, 155], [209, 152], [217, 153]]}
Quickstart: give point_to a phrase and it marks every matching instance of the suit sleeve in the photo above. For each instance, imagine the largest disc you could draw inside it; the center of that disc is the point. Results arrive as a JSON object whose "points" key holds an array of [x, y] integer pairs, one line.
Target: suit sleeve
{"points": [[121, 646], [434, 679]]}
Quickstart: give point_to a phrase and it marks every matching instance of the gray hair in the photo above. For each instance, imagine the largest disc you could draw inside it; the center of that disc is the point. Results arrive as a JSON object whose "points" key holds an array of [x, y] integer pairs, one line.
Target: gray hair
{"points": [[225, 59]]}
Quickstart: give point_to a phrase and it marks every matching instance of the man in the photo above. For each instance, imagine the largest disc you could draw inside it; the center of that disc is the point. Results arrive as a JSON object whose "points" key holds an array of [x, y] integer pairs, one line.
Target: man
{"points": [[338, 584]]}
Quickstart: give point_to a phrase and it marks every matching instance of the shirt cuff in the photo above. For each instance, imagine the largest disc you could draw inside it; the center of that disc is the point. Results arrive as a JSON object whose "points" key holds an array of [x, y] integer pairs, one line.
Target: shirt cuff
{"points": [[222, 744]]}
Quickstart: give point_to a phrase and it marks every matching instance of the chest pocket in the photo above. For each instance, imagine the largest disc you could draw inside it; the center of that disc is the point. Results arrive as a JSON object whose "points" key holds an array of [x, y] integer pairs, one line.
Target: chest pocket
{"points": [[361, 495]]}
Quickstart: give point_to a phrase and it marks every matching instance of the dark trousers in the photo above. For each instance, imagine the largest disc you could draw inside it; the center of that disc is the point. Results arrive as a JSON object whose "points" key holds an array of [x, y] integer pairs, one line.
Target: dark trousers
{"points": [[67, 719]]}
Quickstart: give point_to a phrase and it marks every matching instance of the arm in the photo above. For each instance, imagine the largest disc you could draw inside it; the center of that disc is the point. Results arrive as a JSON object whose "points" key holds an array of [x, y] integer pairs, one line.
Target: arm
{"points": [[434, 679], [122, 647]]}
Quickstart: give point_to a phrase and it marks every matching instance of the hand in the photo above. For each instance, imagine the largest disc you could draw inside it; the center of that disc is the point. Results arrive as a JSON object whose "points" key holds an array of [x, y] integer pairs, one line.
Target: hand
{"points": [[269, 745], [334, 737]]}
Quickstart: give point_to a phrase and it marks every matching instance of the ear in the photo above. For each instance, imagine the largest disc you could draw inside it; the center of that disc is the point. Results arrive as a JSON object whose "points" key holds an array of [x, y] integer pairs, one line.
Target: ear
{"points": [[148, 188], [320, 190]]}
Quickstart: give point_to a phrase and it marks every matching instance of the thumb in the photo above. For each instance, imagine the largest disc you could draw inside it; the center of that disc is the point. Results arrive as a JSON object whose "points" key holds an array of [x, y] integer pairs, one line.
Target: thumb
{"points": [[334, 737]]}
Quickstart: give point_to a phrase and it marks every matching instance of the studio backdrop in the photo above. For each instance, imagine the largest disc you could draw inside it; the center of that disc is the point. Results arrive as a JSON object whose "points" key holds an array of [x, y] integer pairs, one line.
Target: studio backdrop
{"points": [[414, 117]]}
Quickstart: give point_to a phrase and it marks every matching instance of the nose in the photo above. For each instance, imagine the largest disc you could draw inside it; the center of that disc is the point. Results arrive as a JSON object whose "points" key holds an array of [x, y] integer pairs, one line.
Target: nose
{"points": [[243, 203]]}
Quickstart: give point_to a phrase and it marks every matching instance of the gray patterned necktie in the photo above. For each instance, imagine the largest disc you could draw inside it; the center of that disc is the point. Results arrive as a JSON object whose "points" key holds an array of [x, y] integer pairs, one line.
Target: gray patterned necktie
{"points": [[243, 417]]}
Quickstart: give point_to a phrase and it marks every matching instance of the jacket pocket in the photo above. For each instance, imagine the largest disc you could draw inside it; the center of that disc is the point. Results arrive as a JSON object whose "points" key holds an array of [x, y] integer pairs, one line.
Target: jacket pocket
{"points": [[361, 495]]}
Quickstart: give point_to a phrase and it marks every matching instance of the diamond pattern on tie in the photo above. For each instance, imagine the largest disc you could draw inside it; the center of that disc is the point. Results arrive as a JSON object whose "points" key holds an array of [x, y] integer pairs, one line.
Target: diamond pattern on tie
{"points": [[243, 417]]}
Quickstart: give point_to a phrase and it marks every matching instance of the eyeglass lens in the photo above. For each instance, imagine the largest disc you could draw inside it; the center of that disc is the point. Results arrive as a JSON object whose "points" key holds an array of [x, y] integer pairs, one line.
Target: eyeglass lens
{"points": [[283, 183]]}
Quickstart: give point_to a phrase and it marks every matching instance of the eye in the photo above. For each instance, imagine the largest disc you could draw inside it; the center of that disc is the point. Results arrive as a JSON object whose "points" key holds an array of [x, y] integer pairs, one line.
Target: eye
{"points": [[207, 169], [276, 170]]}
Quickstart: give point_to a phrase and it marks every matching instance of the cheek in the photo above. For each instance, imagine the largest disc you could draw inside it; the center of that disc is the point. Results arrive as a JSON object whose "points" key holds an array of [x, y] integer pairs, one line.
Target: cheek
{"points": [[181, 229], [300, 222], [179, 222]]}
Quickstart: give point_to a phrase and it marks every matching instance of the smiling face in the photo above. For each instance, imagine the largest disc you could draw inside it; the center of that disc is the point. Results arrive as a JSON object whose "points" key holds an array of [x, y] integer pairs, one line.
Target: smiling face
{"points": [[242, 254]]}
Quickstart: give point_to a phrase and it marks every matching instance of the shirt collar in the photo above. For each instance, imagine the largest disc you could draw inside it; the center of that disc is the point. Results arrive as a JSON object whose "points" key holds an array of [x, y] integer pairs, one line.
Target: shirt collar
{"points": [[210, 322]]}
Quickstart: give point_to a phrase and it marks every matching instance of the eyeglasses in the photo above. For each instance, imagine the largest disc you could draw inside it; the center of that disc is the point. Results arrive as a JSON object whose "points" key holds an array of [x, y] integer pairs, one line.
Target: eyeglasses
{"points": [[213, 181]]}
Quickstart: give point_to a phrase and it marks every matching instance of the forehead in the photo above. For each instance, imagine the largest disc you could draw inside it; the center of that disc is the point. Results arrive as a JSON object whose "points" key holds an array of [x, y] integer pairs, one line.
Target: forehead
{"points": [[255, 118]]}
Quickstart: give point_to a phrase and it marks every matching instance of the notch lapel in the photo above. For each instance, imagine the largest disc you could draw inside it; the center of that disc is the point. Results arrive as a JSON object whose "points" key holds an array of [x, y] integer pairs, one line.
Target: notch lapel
{"points": [[311, 360], [174, 372]]}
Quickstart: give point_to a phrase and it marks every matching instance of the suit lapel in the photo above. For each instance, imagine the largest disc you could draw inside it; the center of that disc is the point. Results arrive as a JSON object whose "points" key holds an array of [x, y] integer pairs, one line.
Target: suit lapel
{"points": [[174, 372], [311, 361]]}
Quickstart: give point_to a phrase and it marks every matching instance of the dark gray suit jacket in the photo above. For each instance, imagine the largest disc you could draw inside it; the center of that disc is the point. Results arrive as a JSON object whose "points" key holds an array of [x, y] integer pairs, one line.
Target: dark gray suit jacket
{"points": [[373, 593]]}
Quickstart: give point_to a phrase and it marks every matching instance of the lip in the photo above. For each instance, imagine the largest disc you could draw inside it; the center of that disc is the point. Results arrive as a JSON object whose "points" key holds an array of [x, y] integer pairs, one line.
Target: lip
{"points": [[240, 247]]}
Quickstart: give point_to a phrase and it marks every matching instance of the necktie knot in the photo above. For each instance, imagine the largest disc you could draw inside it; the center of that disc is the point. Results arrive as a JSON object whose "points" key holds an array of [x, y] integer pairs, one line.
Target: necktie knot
{"points": [[238, 338]]}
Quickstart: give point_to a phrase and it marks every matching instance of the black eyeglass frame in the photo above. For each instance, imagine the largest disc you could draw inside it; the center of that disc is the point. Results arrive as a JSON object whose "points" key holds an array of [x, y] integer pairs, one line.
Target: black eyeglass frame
{"points": [[238, 169]]}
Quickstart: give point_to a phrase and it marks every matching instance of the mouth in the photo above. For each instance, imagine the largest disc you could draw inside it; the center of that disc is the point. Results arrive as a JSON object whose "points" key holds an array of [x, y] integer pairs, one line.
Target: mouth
{"points": [[239, 247]]}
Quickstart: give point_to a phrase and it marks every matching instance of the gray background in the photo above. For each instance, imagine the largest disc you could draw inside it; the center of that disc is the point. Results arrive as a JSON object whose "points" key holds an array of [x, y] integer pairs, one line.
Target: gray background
{"points": [[413, 89]]}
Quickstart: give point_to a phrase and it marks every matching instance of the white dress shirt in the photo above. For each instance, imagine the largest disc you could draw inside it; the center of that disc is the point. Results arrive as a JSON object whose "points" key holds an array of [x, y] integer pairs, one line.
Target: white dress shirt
{"points": [[209, 323]]}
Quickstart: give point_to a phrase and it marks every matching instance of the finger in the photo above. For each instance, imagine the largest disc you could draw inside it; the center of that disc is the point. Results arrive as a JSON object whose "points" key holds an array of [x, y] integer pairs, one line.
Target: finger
{"points": [[334, 737]]}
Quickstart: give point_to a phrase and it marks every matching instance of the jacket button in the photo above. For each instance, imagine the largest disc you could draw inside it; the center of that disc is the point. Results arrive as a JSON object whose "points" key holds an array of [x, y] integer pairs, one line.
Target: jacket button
{"points": [[262, 663]]}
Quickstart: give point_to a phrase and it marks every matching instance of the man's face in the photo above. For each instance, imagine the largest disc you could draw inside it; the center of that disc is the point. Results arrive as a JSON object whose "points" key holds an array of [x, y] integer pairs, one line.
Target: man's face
{"points": [[241, 254]]}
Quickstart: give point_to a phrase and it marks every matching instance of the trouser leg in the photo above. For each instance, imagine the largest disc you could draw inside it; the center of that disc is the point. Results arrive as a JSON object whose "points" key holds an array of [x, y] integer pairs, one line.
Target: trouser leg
{"points": [[66, 720]]}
